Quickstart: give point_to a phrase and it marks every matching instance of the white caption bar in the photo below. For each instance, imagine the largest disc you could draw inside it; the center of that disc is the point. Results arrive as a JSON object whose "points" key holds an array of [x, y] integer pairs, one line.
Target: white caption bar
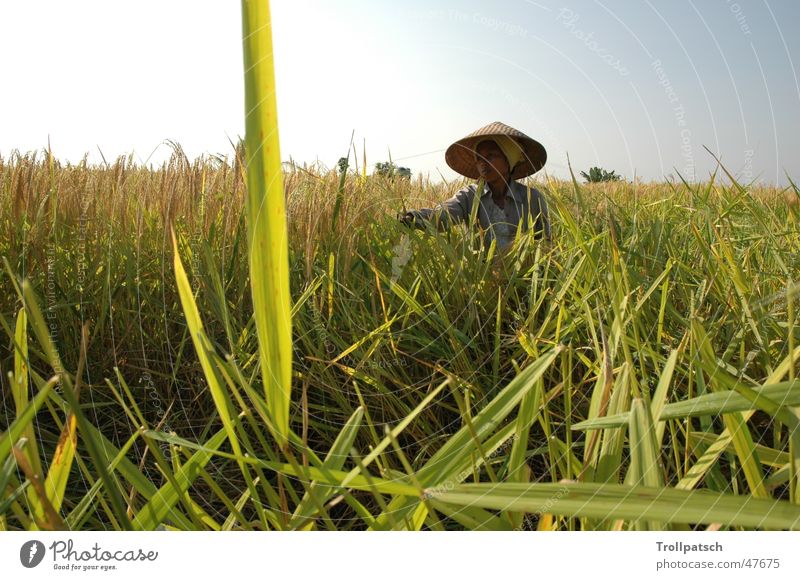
{"points": [[401, 555]]}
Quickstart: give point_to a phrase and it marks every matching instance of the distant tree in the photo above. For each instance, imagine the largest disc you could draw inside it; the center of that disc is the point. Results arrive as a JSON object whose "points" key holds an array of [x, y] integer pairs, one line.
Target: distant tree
{"points": [[343, 164], [389, 169], [596, 175], [384, 168]]}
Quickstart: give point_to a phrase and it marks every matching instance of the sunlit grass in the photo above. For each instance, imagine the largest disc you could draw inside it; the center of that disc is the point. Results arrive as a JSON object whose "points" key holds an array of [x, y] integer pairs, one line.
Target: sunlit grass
{"points": [[653, 302], [227, 343]]}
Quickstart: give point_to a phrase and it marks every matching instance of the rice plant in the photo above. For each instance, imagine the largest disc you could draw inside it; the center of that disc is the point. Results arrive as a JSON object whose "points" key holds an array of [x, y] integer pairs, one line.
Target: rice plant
{"points": [[229, 344]]}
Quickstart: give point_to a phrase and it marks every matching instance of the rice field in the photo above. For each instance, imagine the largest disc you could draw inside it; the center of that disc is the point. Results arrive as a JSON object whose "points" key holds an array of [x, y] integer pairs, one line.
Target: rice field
{"points": [[638, 373], [233, 343]]}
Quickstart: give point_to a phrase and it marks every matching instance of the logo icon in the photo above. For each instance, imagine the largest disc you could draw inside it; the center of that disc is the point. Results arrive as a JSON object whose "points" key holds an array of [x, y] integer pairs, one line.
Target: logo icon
{"points": [[31, 553]]}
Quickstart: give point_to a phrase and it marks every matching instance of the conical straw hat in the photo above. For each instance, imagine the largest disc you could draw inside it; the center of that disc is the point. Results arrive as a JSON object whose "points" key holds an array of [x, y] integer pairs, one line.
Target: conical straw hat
{"points": [[460, 156]]}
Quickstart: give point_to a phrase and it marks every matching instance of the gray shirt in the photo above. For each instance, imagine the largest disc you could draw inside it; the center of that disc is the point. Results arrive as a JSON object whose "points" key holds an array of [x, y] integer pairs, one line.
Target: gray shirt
{"points": [[524, 205]]}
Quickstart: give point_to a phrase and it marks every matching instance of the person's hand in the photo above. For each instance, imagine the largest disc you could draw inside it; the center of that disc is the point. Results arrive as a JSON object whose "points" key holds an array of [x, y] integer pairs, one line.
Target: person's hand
{"points": [[407, 219]]}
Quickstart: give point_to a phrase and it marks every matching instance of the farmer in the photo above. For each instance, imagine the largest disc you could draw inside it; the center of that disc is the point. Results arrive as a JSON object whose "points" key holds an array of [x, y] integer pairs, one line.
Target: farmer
{"points": [[499, 155]]}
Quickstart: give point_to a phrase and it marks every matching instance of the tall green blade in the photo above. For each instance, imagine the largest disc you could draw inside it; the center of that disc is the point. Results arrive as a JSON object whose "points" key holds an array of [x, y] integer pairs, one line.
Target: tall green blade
{"points": [[644, 468], [19, 390], [629, 502], [266, 215]]}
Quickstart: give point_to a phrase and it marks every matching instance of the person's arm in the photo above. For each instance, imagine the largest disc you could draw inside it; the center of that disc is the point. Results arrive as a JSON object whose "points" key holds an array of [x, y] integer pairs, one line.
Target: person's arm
{"points": [[453, 210]]}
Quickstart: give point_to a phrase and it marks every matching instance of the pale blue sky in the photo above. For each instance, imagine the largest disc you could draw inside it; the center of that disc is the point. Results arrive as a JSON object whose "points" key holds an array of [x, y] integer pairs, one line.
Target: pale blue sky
{"points": [[631, 86]]}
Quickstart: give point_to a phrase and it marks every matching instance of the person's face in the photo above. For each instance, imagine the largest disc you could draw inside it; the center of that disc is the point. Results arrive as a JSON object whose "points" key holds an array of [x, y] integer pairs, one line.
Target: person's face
{"points": [[492, 163]]}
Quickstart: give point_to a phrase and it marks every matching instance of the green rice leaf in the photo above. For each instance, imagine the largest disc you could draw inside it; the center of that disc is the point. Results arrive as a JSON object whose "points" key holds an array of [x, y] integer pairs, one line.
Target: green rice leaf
{"points": [[628, 503], [266, 213]]}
